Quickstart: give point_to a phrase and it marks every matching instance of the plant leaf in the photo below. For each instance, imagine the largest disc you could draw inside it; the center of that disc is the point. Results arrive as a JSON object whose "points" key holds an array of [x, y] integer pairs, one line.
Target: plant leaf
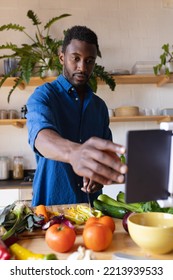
{"points": [[15, 27], [33, 17], [6, 212], [17, 81], [50, 22], [8, 46], [100, 72]]}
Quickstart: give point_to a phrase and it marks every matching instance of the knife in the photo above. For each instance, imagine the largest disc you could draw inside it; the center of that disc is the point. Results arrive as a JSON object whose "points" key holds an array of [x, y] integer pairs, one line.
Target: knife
{"points": [[124, 256], [86, 183], [89, 201]]}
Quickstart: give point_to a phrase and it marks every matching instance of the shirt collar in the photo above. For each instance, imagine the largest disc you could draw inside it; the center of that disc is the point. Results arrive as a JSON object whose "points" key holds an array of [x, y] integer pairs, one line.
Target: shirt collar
{"points": [[70, 89], [65, 83]]}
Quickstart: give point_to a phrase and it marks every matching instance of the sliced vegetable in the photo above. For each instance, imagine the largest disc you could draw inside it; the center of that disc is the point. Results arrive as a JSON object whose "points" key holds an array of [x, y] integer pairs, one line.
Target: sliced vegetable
{"points": [[110, 210], [41, 211], [60, 219], [80, 214], [21, 253], [4, 251]]}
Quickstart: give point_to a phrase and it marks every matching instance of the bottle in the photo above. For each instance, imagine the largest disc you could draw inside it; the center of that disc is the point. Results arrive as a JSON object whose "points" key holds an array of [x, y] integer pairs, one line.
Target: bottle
{"points": [[23, 112], [4, 168], [18, 170]]}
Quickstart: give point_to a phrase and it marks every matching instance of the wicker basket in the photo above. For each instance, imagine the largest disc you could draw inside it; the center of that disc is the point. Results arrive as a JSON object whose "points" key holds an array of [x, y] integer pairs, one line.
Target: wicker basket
{"points": [[127, 111]]}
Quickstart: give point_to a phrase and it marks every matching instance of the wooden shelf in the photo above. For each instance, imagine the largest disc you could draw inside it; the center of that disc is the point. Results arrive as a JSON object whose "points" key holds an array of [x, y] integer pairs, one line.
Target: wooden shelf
{"points": [[120, 79], [158, 119], [21, 122], [34, 81], [142, 79], [16, 122]]}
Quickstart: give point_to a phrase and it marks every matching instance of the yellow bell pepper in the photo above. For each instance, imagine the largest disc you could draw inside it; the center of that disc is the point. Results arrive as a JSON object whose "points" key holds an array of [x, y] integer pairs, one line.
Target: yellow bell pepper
{"points": [[21, 253]]}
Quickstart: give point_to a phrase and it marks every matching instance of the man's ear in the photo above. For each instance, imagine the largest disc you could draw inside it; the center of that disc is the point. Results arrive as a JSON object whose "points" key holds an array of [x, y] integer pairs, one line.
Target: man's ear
{"points": [[61, 58]]}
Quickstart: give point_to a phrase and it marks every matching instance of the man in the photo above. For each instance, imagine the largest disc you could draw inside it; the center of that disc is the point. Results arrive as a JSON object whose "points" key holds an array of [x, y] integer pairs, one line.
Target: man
{"points": [[68, 128]]}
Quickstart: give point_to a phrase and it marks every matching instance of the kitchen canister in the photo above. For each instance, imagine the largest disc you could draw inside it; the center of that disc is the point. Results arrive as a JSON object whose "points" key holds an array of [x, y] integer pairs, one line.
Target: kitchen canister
{"points": [[4, 168], [3, 114], [18, 170]]}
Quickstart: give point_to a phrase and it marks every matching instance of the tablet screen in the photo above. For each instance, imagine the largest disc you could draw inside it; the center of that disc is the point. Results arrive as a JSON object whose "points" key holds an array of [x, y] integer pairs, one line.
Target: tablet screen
{"points": [[148, 160]]}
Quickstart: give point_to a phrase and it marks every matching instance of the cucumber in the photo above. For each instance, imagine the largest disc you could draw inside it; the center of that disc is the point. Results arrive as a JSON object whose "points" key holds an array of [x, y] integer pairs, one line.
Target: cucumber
{"points": [[110, 210]]}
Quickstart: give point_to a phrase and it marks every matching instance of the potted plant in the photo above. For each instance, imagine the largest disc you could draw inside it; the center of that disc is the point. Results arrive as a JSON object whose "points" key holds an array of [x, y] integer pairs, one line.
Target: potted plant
{"points": [[41, 55], [166, 61]]}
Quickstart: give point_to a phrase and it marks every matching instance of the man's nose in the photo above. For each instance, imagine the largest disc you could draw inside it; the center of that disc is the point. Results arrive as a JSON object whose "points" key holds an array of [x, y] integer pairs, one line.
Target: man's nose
{"points": [[82, 66]]}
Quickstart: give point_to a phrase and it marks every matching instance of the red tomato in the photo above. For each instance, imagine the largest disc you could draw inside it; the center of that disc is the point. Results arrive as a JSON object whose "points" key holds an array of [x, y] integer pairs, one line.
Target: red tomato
{"points": [[106, 220], [60, 238], [97, 237]]}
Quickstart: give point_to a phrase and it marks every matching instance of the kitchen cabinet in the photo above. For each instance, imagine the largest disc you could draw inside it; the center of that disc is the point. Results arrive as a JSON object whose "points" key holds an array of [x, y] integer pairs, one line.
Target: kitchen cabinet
{"points": [[15, 192]]}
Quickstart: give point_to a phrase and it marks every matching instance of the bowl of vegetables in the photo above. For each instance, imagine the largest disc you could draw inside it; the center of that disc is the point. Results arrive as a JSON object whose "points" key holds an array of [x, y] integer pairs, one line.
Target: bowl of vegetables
{"points": [[152, 231]]}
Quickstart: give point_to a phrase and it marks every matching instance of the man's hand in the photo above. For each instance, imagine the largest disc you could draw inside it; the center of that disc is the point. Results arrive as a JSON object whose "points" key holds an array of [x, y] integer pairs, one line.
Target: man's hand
{"points": [[99, 160], [90, 186]]}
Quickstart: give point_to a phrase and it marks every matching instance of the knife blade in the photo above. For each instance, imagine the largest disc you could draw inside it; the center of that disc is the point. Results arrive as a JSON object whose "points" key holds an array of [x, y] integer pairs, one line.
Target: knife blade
{"points": [[89, 201], [124, 256], [85, 184]]}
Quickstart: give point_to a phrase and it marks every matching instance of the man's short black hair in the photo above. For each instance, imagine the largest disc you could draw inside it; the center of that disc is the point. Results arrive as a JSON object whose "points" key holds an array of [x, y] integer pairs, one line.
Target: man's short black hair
{"points": [[81, 33]]}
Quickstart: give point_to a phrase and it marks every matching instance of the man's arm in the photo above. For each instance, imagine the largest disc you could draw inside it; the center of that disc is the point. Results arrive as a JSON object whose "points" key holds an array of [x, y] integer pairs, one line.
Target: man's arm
{"points": [[95, 159]]}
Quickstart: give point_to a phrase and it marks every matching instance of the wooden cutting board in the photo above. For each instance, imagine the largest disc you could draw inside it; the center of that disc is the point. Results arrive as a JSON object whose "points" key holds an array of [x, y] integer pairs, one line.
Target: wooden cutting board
{"points": [[38, 232]]}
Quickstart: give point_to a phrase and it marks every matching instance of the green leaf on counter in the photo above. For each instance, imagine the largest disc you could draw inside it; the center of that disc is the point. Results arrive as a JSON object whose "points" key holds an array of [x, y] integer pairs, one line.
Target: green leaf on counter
{"points": [[18, 217]]}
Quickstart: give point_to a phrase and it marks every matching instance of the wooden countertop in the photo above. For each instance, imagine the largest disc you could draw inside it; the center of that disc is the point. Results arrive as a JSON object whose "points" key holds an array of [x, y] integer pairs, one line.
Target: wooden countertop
{"points": [[121, 243], [14, 184]]}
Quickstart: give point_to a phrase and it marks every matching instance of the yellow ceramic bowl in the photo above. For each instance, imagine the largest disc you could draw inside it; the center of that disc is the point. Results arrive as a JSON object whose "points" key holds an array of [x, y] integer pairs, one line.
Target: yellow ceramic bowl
{"points": [[152, 231]]}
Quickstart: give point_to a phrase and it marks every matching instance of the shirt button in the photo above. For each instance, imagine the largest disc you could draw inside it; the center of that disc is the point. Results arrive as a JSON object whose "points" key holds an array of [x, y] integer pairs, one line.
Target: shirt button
{"points": [[80, 140], [78, 184], [76, 98]]}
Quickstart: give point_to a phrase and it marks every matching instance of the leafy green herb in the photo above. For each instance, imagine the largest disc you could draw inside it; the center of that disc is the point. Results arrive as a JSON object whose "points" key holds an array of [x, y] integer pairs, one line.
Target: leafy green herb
{"points": [[18, 217]]}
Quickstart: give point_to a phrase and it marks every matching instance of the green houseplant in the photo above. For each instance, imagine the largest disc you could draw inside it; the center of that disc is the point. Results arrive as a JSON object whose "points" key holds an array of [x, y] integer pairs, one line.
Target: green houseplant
{"points": [[41, 55], [166, 61]]}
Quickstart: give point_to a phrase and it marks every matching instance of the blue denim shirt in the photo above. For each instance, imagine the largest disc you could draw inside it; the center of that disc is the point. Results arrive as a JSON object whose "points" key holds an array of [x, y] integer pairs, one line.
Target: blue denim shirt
{"points": [[57, 106]]}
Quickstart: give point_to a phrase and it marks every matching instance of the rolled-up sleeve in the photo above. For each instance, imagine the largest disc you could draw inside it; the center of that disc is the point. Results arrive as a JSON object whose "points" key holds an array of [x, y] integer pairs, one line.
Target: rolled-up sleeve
{"points": [[39, 117]]}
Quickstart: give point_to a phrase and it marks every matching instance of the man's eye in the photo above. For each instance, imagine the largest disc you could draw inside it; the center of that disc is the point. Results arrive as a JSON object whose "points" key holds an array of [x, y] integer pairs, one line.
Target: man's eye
{"points": [[90, 61], [75, 58]]}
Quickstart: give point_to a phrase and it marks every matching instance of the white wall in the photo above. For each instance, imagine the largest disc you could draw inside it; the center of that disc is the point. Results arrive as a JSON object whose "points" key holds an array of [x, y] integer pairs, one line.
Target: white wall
{"points": [[128, 31]]}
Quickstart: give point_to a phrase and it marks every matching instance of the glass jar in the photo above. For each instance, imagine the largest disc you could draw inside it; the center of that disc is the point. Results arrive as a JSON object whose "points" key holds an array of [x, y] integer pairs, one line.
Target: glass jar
{"points": [[4, 168], [12, 114], [18, 170], [3, 114]]}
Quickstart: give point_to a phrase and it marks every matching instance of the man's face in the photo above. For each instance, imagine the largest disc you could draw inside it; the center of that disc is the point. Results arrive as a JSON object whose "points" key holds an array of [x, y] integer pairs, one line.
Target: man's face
{"points": [[78, 62]]}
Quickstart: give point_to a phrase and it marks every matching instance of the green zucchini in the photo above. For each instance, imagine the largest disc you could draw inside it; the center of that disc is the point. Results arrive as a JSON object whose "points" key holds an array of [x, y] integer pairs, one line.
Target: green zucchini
{"points": [[110, 210], [111, 201]]}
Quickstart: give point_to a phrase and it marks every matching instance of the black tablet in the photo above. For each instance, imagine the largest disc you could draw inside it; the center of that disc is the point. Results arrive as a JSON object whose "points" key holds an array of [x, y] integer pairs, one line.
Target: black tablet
{"points": [[148, 160]]}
